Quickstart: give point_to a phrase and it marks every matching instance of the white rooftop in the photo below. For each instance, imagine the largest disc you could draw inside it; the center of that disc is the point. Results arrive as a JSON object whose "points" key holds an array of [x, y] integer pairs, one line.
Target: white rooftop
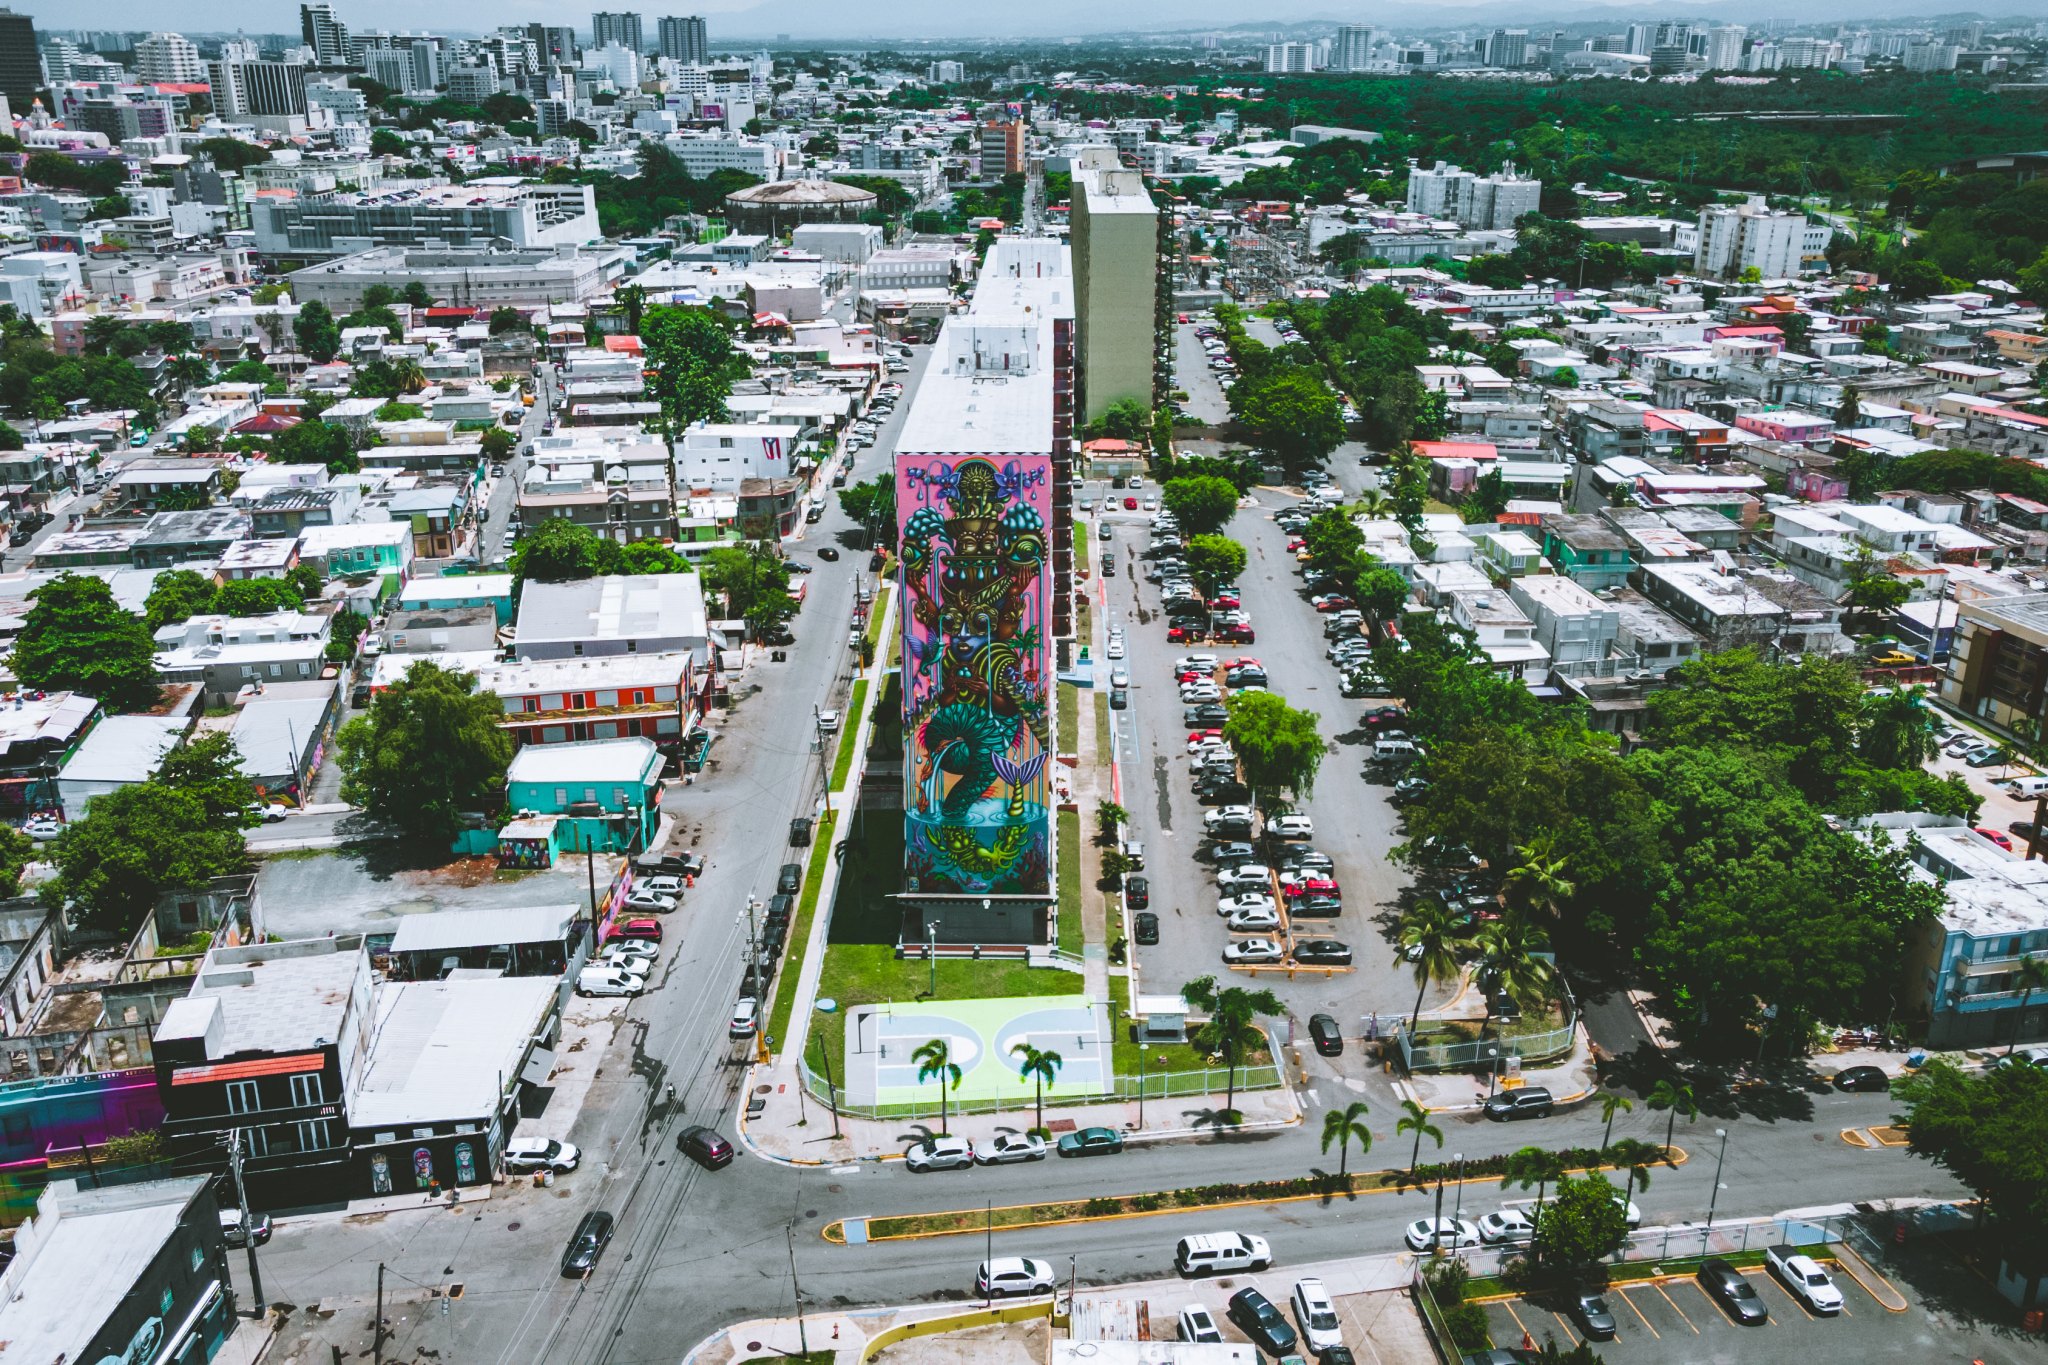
{"points": [[597, 760], [441, 1050], [444, 929], [124, 749]]}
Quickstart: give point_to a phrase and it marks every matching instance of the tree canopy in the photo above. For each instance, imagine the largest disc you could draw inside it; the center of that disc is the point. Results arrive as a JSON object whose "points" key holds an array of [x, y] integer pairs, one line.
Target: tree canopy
{"points": [[77, 638], [428, 750], [1990, 1131], [1203, 503], [1278, 747], [695, 364]]}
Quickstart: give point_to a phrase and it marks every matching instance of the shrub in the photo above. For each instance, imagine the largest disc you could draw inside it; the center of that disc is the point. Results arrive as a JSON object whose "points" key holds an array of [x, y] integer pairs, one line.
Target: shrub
{"points": [[1099, 1207], [1446, 1279], [1467, 1324]]}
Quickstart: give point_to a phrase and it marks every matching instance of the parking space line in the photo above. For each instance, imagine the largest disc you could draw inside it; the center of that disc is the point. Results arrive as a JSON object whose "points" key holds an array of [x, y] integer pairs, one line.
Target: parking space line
{"points": [[1571, 1337], [1518, 1321], [1676, 1309], [1639, 1313], [1786, 1294]]}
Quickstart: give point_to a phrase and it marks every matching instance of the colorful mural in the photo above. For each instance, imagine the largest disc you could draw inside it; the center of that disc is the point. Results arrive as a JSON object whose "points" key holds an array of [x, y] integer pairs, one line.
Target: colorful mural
{"points": [[976, 672]]}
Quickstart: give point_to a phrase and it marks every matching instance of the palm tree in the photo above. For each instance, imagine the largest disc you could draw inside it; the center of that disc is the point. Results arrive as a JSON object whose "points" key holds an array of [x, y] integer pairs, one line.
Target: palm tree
{"points": [[1508, 964], [1611, 1103], [1230, 1029], [1415, 1119], [1373, 504], [1679, 1100], [1428, 933], [1340, 1126], [1538, 881], [935, 1058], [1042, 1067], [188, 371], [1532, 1166], [408, 375], [2031, 976]]}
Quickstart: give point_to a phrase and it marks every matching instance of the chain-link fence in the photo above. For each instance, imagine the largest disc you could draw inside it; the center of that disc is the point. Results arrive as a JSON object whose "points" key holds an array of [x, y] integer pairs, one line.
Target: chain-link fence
{"points": [[1690, 1241], [1484, 1052], [1164, 1085]]}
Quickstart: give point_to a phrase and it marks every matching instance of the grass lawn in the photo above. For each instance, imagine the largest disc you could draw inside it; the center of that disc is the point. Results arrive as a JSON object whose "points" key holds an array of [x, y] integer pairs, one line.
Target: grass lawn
{"points": [[1157, 1057], [1081, 549], [800, 930], [1070, 717], [1104, 747], [1467, 1030], [850, 728], [875, 618], [1069, 835], [869, 973]]}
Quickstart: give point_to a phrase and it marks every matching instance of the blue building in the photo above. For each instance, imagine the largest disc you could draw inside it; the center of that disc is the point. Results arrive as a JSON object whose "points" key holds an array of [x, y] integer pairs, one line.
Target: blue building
{"points": [[601, 794]]}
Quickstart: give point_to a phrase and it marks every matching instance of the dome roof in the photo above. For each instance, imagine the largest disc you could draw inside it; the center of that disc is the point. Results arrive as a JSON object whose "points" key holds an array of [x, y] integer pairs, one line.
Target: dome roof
{"points": [[799, 192]]}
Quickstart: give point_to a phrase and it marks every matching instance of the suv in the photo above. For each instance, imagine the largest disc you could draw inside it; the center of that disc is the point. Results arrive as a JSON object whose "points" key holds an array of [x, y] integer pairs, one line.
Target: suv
{"points": [[538, 1153], [1211, 1253], [940, 1154], [790, 879], [1531, 1102], [1316, 1314], [1256, 1316]]}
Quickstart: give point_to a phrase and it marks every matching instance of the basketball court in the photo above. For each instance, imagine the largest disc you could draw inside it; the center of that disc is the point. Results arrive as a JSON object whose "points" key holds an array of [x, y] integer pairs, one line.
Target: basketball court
{"points": [[979, 1034]]}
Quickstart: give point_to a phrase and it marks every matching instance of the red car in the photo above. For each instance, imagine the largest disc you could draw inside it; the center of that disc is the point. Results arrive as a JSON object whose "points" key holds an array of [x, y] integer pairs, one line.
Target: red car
{"points": [[1188, 675], [1181, 635], [1297, 544], [634, 928], [1197, 736], [1313, 886], [1995, 837], [1332, 601], [1236, 635], [1225, 600], [1242, 661], [1130, 504]]}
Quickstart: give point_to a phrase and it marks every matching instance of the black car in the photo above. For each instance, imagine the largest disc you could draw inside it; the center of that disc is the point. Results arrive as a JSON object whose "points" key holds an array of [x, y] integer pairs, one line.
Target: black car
{"points": [[1530, 1102], [1734, 1291], [1258, 1319], [875, 561], [1203, 717], [780, 907], [1324, 1033], [1245, 677], [1322, 952], [1383, 717], [1595, 1318], [1862, 1078], [828, 554], [1137, 892], [1146, 927], [800, 831], [1119, 699], [587, 1244], [704, 1146], [790, 879], [1227, 792], [1317, 907], [1232, 853]]}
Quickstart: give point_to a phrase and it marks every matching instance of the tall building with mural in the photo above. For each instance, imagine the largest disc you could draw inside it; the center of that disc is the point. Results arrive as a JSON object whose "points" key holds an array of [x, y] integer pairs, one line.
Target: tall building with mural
{"points": [[985, 539]]}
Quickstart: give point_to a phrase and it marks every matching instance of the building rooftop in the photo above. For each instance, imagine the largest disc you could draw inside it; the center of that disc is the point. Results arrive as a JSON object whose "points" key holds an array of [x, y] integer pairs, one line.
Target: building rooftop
{"points": [[446, 1049], [618, 761], [51, 718], [790, 192], [1990, 892], [515, 678], [269, 997], [1557, 594], [124, 749], [460, 587], [273, 731], [446, 929], [638, 607]]}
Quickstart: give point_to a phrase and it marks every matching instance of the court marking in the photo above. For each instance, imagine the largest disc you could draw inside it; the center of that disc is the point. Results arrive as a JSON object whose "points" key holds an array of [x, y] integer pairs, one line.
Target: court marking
{"points": [[881, 1041]]}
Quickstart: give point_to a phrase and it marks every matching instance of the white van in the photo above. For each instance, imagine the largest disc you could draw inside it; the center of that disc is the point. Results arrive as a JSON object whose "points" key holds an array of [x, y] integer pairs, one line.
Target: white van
{"points": [[2029, 788], [1215, 1253], [609, 981], [1393, 751]]}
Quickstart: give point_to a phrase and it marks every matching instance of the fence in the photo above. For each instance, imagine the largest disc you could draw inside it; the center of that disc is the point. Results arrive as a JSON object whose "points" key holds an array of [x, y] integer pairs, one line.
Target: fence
{"points": [[1165, 1085], [1481, 1053], [1690, 1241]]}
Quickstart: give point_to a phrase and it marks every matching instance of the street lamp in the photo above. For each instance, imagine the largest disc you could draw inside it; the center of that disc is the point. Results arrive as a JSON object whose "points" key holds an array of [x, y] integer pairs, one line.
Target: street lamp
{"points": [[931, 956], [1458, 1208], [827, 1006], [1144, 1049], [1715, 1194]]}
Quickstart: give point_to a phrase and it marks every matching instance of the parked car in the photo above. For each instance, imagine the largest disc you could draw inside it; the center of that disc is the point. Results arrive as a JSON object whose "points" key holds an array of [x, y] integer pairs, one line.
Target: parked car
{"points": [[1506, 1225], [604, 981], [1862, 1078], [1594, 1317], [1250, 951], [587, 1243], [1733, 1291], [1316, 907], [1137, 892], [1324, 1032], [1530, 1102], [1092, 1142], [1257, 920], [1004, 1148], [1258, 1319], [940, 1154], [1447, 1233], [704, 1146], [1322, 952], [527, 1154], [746, 1019], [1315, 1313], [1146, 928], [42, 827], [1196, 1324], [640, 898], [1802, 1275], [1008, 1275], [1248, 877], [233, 1234], [1290, 827]]}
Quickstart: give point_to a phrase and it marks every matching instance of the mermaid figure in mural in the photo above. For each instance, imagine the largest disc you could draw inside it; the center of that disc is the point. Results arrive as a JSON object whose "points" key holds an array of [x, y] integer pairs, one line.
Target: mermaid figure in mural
{"points": [[972, 656]]}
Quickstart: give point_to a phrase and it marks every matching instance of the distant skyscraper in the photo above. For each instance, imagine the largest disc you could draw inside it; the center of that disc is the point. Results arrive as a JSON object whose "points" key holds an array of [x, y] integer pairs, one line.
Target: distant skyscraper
{"points": [[257, 89], [1291, 57], [20, 73], [168, 57], [326, 35], [1508, 47], [556, 46], [1724, 47], [685, 39], [615, 26], [1641, 38], [1353, 51]]}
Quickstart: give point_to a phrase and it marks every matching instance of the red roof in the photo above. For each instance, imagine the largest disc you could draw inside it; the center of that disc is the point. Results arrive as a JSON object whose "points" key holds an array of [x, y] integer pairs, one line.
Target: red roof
{"points": [[266, 424], [622, 345]]}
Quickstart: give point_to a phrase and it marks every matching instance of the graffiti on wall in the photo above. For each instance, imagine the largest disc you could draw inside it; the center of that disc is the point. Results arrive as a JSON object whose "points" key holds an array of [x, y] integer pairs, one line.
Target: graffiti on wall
{"points": [[976, 672]]}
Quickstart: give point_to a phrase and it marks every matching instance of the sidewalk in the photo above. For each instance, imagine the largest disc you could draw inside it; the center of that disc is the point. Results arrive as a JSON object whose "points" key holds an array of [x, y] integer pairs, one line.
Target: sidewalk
{"points": [[1459, 1092]]}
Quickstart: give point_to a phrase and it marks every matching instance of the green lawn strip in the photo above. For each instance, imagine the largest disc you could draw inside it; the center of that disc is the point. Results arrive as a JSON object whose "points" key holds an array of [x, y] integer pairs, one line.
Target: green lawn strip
{"points": [[875, 615], [1070, 718], [1104, 746], [800, 931], [849, 730], [1157, 1057], [1081, 550], [1070, 938], [870, 973], [1326, 1186]]}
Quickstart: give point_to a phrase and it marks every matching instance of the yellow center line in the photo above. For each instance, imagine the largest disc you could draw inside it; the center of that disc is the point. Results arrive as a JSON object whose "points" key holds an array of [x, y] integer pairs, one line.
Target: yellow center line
{"points": [[1639, 1313], [1676, 1309]]}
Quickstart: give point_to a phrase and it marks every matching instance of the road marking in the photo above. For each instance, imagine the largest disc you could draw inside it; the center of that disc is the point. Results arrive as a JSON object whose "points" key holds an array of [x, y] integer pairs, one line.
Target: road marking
{"points": [[1639, 1313], [1676, 1309], [1571, 1337], [1518, 1321]]}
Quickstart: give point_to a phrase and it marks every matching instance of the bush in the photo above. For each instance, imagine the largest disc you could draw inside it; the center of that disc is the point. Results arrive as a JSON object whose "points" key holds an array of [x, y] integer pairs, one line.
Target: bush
{"points": [[1100, 1207], [1467, 1325], [1446, 1279]]}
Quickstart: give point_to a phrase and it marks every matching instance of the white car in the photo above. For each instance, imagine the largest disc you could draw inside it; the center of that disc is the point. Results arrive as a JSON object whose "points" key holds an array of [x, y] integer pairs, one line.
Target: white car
{"points": [[1151, 504], [270, 812], [1008, 1275], [1316, 1314], [628, 955], [660, 886], [1007, 1147], [1227, 815], [1449, 1233], [940, 1154], [1252, 950], [1291, 827], [1119, 677], [1252, 921], [540, 1154], [1197, 692], [1249, 877], [609, 981], [1508, 1225], [1200, 663], [1115, 648], [1243, 901], [1199, 1324], [1206, 752], [43, 827], [643, 899]]}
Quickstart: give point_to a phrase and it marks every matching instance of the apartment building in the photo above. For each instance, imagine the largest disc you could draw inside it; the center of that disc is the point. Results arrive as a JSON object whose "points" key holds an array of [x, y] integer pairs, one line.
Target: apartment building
{"points": [[1115, 236]]}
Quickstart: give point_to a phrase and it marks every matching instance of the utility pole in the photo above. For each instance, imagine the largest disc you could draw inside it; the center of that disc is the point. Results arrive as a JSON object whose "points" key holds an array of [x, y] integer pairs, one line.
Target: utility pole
{"points": [[248, 1226], [377, 1323], [803, 1340], [590, 870]]}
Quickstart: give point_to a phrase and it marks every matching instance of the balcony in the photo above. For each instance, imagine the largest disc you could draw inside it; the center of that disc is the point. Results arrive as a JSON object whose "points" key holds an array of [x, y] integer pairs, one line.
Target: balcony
{"points": [[1971, 968]]}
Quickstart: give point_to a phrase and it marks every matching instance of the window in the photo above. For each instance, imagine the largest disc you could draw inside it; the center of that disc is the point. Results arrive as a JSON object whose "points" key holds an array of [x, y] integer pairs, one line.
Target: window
{"points": [[632, 646], [258, 1140], [242, 1097], [315, 1135], [307, 1089]]}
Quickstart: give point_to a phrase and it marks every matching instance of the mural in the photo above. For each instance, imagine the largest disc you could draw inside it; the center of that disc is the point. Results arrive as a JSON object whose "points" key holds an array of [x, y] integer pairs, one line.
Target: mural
{"points": [[976, 672]]}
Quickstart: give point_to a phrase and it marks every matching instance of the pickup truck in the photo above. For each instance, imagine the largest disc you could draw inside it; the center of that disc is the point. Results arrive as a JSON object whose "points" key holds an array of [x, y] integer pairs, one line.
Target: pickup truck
{"points": [[1803, 1276]]}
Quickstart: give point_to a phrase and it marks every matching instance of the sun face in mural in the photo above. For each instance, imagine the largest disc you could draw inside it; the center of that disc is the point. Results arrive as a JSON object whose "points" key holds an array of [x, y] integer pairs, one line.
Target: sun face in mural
{"points": [[976, 671]]}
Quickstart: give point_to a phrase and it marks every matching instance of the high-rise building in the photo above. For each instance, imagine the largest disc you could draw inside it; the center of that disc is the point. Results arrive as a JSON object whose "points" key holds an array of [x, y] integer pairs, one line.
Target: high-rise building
{"points": [[943, 73], [1641, 38], [1291, 57], [685, 39], [474, 84], [1809, 53], [21, 75], [1002, 147], [257, 89], [1930, 56], [556, 45], [1484, 202], [1115, 231], [1734, 239], [407, 62], [1353, 49], [616, 26], [1724, 47], [168, 57], [1508, 48], [326, 35]]}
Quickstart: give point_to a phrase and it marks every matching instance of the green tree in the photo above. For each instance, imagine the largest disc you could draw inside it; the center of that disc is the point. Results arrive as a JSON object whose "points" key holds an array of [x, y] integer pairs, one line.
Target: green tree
{"points": [[1232, 1026], [1289, 411], [134, 844], [1342, 1126], [17, 851], [177, 595], [1873, 591], [76, 638], [1203, 504], [1897, 728], [416, 295], [1915, 278], [507, 319], [2029, 976], [1428, 941], [208, 768], [316, 332], [1990, 1131], [428, 750], [694, 362], [1214, 561], [316, 442], [1533, 1166], [935, 1062], [255, 597], [1127, 419], [10, 438], [560, 551], [650, 556], [872, 503], [1415, 1119], [1849, 412], [1678, 1099], [755, 584], [1043, 1067], [1584, 1224], [305, 580], [1381, 594], [498, 443], [1278, 747]]}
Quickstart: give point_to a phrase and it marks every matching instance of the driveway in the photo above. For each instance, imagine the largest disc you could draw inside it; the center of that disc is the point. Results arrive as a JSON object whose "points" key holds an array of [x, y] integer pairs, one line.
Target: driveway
{"points": [[1206, 400]]}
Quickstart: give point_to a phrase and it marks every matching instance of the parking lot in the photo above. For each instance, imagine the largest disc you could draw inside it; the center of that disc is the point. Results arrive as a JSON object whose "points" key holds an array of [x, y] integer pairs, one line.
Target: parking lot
{"points": [[1673, 1319]]}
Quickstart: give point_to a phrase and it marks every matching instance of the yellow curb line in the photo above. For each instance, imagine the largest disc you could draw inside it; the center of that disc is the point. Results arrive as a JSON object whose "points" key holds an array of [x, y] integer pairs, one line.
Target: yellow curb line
{"points": [[1842, 1257], [833, 1231], [1853, 1138]]}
